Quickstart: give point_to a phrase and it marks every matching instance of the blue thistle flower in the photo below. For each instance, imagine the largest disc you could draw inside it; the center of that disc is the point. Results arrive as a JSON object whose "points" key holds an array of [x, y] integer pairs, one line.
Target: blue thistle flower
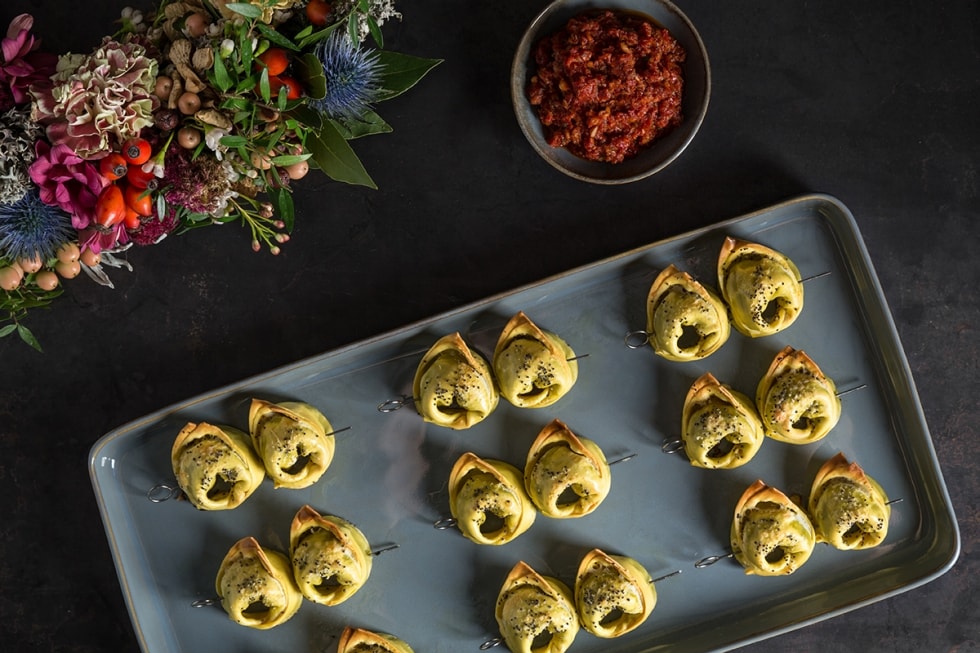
{"points": [[29, 227], [353, 77]]}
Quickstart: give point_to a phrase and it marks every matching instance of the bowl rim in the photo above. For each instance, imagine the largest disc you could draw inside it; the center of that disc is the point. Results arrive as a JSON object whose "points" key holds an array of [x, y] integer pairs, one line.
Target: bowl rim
{"points": [[527, 118]]}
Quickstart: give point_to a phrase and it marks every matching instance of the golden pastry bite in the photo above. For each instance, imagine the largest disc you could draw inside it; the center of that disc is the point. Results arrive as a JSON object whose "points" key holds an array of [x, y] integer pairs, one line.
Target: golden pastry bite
{"points": [[565, 475], [294, 440], [256, 586], [796, 402], [761, 286], [720, 427], [215, 466], [535, 613], [613, 594], [358, 640], [849, 508], [533, 367], [488, 501], [771, 535], [454, 385], [331, 559], [685, 320]]}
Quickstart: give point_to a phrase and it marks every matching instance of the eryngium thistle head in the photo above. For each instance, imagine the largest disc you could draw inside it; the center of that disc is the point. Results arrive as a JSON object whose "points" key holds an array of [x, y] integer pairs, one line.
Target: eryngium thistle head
{"points": [[29, 227], [353, 77]]}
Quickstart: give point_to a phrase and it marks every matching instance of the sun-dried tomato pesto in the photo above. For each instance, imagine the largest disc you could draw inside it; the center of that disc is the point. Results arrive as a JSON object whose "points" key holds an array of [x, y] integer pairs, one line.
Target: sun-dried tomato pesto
{"points": [[607, 84]]}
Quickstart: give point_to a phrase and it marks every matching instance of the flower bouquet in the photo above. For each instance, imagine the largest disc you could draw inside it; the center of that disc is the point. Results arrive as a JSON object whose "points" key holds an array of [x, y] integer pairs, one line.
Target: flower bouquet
{"points": [[203, 113]]}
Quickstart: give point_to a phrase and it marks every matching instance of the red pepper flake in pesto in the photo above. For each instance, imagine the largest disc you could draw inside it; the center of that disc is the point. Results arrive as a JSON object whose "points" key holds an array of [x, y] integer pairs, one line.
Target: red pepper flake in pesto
{"points": [[607, 85]]}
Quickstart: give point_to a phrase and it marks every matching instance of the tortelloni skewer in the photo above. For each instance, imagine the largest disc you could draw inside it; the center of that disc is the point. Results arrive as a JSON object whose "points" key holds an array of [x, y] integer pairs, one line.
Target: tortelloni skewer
{"points": [[534, 367], [488, 501], [215, 466], [685, 320], [720, 427], [770, 535], [256, 586], [798, 404], [358, 640], [294, 440], [762, 287], [566, 475], [535, 613], [331, 559], [849, 509], [454, 385], [613, 594]]}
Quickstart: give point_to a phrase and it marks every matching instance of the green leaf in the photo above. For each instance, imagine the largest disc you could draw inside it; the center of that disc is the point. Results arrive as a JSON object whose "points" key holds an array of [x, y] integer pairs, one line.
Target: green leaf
{"points": [[233, 141], [277, 38], [246, 85], [245, 9], [237, 104], [28, 337], [309, 70], [335, 157], [221, 77], [289, 159], [307, 116], [352, 30], [7, 330], [265, 90], [375, 30], [316, 36], [283, 201], [369, 124], [245, 50], [401, 72]]}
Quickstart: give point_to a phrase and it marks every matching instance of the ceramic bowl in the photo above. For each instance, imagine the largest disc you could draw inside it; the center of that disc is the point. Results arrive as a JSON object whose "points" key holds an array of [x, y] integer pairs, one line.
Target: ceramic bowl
{"points": [[665, 149]]}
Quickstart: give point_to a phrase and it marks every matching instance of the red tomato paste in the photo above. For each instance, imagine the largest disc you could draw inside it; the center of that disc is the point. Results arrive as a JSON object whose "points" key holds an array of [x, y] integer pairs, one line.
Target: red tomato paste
{"points": [[607, 84]]}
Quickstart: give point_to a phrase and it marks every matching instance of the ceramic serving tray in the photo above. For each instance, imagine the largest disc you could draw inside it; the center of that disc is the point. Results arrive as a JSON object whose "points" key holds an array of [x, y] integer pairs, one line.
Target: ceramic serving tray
{"points": [[437, 590]]}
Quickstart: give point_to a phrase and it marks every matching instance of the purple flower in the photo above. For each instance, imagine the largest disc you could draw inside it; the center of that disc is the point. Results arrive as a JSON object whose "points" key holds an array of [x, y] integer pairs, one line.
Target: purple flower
{"points": [[152, 230], [21, 63], [66, 180]]}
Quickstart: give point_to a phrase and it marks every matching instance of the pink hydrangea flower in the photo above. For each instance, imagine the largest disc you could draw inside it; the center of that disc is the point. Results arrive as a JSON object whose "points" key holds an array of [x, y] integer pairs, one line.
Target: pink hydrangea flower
{"points": [[67, 181], [21, 64], [97, 101]]}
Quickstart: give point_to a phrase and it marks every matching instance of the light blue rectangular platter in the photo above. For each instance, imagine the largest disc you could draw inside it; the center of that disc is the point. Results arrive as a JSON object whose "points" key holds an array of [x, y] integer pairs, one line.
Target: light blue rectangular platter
{"points": [[437, 590]]}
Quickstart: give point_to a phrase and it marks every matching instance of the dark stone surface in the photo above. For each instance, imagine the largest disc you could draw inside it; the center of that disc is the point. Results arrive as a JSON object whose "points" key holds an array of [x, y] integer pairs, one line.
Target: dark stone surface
{"points": [[875, 103]]}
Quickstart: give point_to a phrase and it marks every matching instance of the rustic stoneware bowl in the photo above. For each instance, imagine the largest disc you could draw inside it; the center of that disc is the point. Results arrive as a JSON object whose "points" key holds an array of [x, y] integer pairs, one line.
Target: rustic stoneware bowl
{"points": [[659, 154]]}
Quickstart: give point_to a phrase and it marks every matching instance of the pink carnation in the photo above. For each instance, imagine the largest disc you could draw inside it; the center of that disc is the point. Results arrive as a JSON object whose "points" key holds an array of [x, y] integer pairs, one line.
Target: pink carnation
{"points": [[67, 181], [21, 64]]}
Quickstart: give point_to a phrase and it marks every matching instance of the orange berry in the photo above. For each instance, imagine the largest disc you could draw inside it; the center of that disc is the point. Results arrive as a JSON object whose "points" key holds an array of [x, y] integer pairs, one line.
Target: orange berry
{"points": [[318, 12], [46, 280], [68, 270], [275, 60], [136, 151], [90, 258]]}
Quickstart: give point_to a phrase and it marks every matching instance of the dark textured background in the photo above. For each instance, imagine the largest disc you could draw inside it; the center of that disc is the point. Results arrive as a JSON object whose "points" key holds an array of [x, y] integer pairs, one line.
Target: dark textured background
{"points": [[875, 103]]}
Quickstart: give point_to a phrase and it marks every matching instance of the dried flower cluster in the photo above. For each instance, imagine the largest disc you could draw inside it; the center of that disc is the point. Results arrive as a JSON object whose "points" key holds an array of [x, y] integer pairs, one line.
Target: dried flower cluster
{"points": [[204, 112]]}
